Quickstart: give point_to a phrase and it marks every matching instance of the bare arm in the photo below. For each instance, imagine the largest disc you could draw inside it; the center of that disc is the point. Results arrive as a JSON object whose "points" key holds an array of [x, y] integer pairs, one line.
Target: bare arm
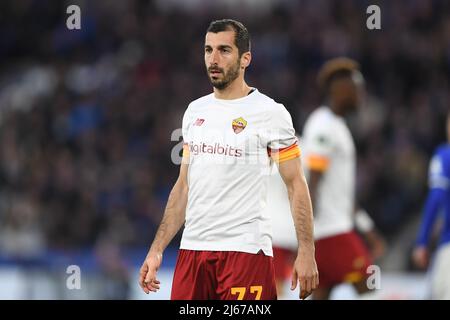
{"points": [[174, 214], [173, 219], [301, 208], [305, 268]]}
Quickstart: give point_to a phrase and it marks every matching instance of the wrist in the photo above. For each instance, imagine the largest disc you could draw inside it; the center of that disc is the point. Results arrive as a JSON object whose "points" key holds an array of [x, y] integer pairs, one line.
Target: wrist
{"points": [[306, 248], [156, 251]]}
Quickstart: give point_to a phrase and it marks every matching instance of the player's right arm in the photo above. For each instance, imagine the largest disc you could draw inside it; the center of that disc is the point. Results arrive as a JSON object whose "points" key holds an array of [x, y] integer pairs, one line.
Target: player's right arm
{"points": [[172, 221], [439, 184]]}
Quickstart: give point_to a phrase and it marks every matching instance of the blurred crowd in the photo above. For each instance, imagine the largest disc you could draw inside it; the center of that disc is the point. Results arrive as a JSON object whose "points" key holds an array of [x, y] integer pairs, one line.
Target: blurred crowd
{"points": [[86, 116]]}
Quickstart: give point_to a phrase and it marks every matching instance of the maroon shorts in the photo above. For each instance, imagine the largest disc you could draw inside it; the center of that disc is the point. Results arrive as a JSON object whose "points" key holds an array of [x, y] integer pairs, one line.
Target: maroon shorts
{"points": [[283, 262], [343, 258], [223, 275]]}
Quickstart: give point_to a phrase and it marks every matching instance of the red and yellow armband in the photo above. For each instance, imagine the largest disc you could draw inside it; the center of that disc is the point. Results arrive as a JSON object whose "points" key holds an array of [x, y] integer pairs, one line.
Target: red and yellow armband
{"points": [[285, 154], [317, 163]]}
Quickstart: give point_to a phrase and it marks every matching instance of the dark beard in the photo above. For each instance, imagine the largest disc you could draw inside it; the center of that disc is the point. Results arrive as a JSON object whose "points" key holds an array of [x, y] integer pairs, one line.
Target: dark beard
{"points": [[229, 77]]}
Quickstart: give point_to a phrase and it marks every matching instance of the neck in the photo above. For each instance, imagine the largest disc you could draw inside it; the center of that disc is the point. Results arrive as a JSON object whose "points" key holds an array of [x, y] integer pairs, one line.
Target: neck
{"points": [[336, 110], [237, 89]]}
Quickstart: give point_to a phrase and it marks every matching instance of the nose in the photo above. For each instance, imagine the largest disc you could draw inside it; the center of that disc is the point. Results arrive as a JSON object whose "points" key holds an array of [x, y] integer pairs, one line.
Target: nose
{"points": [[215, 57]]}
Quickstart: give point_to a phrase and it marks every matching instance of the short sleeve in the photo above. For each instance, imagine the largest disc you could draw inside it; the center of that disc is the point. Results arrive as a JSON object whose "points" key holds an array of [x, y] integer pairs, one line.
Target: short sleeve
{"points": [[437, 178], [185, 128], [320, 144], [282, 143]]}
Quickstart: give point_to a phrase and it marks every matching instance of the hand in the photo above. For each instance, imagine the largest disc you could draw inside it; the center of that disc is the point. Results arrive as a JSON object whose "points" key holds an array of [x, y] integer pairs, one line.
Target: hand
{"points": [[377, 249], [420, 257], [376, 244], [147, 274], [305, 271]]}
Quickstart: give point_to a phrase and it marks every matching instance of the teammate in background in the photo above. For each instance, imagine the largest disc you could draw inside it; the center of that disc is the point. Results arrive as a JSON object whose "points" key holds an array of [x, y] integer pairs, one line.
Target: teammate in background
{"points": [[283, 232], [438, 201], [230, 137], [330, 158]]}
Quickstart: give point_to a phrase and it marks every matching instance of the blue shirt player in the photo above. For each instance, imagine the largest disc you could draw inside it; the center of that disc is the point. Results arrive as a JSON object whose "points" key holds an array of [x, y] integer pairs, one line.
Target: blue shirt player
{"points": [[438, 202]]}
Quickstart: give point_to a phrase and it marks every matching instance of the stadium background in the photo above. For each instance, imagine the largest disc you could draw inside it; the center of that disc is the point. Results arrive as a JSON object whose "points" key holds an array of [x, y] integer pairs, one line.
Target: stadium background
{"points": [[86, 119]]}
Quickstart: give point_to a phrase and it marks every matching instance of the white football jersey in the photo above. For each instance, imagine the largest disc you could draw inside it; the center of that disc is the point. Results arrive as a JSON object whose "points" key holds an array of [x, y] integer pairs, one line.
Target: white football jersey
{"points": [[328, 147], [229, 143]]}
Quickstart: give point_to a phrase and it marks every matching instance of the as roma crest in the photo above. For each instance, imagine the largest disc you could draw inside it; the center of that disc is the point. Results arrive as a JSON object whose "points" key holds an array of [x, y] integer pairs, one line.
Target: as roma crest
{"points": [[239, 124]]}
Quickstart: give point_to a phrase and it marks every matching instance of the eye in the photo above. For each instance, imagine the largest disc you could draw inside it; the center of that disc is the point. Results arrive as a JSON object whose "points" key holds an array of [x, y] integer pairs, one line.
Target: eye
{"points": [[208, 50]]}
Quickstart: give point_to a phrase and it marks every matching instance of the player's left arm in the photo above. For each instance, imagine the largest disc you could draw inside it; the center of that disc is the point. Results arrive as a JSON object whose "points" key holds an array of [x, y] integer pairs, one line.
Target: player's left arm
{"points": [[434, 202], [439, 182], [284, 150], [305, 268]]}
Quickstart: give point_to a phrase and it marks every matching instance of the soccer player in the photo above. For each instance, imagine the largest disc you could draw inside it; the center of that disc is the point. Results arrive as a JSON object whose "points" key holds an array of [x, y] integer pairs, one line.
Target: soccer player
{"points": [[230, 138], [329, 153], [283, 233], [438, 199]]}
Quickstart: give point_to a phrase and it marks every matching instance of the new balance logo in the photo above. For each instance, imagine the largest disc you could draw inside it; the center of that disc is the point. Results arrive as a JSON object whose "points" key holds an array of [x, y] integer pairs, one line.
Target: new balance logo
{"points": [[199, 122]]}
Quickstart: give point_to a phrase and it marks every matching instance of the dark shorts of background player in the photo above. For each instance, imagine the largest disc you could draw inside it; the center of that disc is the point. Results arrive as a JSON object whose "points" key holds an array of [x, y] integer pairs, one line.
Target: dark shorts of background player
{"points": [[223, 275], [342, 258], [283, 261]]}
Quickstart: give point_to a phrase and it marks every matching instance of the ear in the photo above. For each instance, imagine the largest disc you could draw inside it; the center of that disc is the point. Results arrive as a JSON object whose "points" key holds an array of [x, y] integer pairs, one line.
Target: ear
{"points": [[246, 59]]}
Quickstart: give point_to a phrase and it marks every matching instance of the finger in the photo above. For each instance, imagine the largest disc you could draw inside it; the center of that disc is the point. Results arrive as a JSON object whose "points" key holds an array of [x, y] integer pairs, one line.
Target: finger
{"points": [[143, 286], [302, 294], [315, 282], [305, 294], [143, 269], [302, 288], [294, 280], [149, 277], [141, 280], [142, 274], [309, 284], [150, 288], [153, 284], [303, 283]]}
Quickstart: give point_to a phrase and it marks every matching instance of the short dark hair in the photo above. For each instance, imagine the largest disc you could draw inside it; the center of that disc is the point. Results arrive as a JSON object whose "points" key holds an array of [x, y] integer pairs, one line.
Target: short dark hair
{"points": [[334, 69], [241, 35]]}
